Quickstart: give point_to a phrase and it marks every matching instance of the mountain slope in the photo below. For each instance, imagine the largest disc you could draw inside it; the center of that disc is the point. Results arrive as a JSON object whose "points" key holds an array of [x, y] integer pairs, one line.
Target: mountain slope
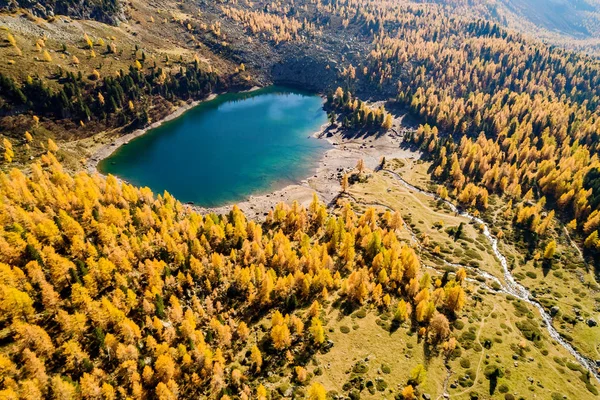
{"points": [[573, 24], [562, 16], [107, 11]]}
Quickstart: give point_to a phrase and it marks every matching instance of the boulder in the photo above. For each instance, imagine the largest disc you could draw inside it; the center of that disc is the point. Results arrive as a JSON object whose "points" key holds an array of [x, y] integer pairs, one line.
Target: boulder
{"points": [[40, 11]]}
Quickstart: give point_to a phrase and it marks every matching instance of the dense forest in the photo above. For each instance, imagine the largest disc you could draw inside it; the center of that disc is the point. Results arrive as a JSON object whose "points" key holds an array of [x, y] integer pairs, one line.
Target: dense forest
{"points": [[116, 100], [110, 291]]}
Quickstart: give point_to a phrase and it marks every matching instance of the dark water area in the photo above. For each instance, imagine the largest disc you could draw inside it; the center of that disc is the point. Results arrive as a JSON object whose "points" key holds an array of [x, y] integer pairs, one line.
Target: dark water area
{"points": [[224, 150]]}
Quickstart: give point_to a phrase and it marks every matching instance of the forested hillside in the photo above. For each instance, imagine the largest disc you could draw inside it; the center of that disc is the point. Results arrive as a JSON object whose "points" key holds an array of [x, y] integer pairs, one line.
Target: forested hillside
{"points": [[112, 292], [109, 291]]}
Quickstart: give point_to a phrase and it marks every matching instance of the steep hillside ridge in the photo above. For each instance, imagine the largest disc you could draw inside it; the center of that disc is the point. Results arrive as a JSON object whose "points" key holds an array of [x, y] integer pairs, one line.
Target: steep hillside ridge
{"points": [[572, 24], [107, 11]]}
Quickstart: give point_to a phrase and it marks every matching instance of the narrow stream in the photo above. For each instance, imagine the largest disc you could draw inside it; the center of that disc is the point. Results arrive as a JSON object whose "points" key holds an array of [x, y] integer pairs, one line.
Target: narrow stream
{"points": [[511, 287]]}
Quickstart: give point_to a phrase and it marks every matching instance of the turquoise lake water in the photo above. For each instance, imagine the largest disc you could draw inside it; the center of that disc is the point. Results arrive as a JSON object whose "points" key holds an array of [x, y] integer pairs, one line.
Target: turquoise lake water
{"points": [[226, 149]]}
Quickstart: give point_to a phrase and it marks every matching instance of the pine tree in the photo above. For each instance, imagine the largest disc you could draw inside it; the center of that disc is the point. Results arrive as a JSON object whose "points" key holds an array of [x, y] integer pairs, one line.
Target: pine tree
{"points": [[8, 151], [408, 393], [165, 367], [280, 335], [439, 328], [256, 357], [52, 147], [345, 183], [455, 299], [401, 313], [360, 166], [46, 56], [417, 375], [317, 331], [317, 392], [550, 250], [388, 121], [261, 393]]}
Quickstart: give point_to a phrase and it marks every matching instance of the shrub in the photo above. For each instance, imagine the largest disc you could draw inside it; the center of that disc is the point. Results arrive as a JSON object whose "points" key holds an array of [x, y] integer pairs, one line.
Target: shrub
{"points": [[529, 330], [456, 353], [591, 388], [466, 382], [283, 388], [468, 336], [519, 276], [473, 254], [520, 307], [558, 361], [573, 366], [360, 368]]}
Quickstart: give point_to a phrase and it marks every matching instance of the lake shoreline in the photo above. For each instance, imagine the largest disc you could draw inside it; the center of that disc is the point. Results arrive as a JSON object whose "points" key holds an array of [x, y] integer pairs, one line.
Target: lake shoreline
{"points": [[325, 177], [325, 181]]}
